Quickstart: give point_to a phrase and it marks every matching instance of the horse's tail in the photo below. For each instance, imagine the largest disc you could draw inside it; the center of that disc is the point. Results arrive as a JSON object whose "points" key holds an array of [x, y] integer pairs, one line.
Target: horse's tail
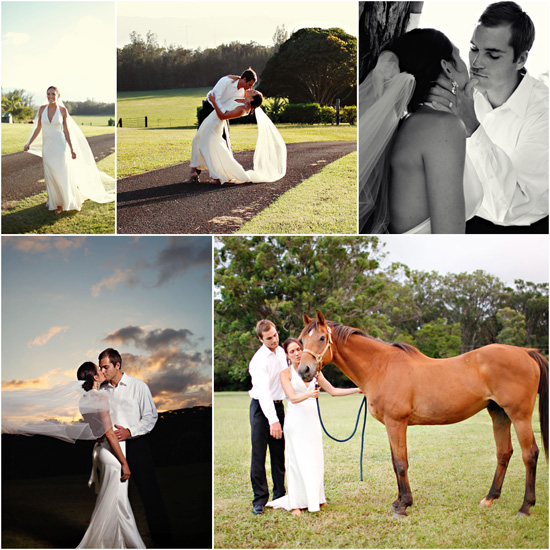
{"points": [[543, 396]]}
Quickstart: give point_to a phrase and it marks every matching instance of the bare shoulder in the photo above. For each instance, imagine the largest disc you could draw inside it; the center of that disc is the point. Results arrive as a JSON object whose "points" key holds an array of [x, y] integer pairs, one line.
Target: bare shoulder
{"points": [[433, 126], [41, 110], [63, 111], [286, 373]]}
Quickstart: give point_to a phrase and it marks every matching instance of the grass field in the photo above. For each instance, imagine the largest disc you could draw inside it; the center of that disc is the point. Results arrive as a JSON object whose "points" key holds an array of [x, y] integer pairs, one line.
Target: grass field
{"points": [[327, 204], [179, 106], [451, 469], [14, 136]]}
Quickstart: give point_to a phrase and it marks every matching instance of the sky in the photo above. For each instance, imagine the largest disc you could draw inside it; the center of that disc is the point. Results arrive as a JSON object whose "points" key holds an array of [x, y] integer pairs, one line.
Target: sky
{"points": [[508, 257], [208, 24], [457, 19], [65, 299], [70, 45]]}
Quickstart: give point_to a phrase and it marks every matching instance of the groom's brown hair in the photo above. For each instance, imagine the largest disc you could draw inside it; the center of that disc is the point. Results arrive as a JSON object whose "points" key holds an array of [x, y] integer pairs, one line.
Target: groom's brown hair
{"points": [[249, 75], [114, 356]]}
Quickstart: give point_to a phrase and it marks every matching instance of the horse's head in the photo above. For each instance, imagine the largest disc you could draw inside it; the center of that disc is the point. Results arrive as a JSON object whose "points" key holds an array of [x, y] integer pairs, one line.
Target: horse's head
{"points": [[316, 340]]}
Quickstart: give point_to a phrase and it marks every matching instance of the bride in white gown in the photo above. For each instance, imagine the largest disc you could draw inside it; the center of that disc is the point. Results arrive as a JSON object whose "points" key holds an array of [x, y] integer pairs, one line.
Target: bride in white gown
{"points": [[414, 175], [211, 152], [30, 412], [304, 458], [70, 171]]}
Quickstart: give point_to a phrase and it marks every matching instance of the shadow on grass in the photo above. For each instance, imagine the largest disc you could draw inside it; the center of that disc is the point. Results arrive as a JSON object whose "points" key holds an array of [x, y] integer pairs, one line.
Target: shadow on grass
{"points": [[32, 219], [31, 216]]}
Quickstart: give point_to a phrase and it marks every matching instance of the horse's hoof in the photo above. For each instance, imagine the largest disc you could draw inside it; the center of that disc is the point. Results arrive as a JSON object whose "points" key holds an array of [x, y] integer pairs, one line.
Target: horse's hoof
{"points": [[486, 503], [522, 515], [399, 515]]}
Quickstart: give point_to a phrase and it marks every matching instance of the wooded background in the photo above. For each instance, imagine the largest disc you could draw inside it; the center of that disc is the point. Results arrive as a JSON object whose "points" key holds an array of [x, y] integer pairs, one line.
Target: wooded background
{"points": [[280, 278]]}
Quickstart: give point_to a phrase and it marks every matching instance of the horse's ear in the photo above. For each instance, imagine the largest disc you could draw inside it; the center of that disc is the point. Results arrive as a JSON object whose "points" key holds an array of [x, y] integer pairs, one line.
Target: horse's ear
{"points": [[321, 318], [307, 319]]}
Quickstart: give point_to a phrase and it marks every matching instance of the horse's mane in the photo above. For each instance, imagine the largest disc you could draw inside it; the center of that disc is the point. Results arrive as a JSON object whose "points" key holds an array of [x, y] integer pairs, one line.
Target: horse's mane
{"points": [[342, 333]]}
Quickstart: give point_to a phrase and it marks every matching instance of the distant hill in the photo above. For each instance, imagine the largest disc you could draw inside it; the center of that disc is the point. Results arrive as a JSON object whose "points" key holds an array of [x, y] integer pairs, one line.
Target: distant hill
{"points": [[183, 436]]}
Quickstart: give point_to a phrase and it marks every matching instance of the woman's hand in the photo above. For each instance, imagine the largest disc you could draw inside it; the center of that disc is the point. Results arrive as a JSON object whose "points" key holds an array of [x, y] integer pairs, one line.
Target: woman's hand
{"points": [[73, 154], [26, 148], [313, 392], [125, 472]]}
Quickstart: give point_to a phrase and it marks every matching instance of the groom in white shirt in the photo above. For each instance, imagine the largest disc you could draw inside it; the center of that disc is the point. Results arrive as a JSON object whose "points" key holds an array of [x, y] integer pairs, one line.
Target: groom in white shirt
{"points": [[134, 415], [505, 111], [267, 415]]}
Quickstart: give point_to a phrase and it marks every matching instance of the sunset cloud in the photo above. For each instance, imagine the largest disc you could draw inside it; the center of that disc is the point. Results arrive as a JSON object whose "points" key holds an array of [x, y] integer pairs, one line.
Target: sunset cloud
{"points": [[150, 340], [38, 243], [44, 338], [111, 282]]}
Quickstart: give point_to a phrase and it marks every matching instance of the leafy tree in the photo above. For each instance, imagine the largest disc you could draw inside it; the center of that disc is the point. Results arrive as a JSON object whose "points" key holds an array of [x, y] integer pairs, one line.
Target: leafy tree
{"points": [[513, 327], [314, 65], [19, 104], [280, 278], [439, 339]]}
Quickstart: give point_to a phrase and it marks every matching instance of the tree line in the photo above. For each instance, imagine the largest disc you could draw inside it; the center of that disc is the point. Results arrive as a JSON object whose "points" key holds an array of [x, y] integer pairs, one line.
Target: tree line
{"points": [[280, 278], [312, 66]]}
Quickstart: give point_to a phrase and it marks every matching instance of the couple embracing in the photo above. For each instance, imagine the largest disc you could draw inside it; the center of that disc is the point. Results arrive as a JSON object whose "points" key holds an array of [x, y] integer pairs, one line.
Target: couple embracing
{"points": [[274, 374], [232, 98], [117, 412], [447, 151]]}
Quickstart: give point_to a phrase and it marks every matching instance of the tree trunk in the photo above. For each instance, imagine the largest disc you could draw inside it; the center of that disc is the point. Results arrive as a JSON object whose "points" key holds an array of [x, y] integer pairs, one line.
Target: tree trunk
{"points": [[379, 24]]}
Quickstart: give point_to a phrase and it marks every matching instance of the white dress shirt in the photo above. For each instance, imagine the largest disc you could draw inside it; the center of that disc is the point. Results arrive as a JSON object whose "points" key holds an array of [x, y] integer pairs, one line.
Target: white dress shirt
{"points": [[132, 405], [225, 92], [265, 369], [510, 153]]}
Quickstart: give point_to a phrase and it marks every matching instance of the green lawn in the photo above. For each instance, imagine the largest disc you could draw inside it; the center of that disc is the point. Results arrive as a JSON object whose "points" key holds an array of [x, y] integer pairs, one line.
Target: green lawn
{"points": [[451, 469], [179, 106], [324, 203]]}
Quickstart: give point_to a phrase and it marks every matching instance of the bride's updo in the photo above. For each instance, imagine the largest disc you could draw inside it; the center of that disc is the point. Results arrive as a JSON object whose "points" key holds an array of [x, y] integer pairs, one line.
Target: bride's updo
{"points": [[87, 371], [420, 52], [256, 100]]}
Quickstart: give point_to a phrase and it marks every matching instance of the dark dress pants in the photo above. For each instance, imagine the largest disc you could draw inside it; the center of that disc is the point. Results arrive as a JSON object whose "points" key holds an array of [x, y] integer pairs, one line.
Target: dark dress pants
{"points": [[261, 440], [142, 467], [481, 226]]}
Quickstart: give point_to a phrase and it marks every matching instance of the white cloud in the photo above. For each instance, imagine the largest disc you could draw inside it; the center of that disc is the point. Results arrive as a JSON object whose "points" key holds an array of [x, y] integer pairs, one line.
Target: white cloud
{"points": [[44, 338]]}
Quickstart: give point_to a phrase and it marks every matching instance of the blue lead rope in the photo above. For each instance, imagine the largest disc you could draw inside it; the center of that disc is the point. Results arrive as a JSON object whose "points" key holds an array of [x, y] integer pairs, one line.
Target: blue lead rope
{"points": [[363, 403]]}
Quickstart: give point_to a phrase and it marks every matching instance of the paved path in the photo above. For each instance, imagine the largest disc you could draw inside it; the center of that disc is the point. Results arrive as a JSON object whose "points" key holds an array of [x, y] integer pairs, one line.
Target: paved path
{"points": [[158, 201], [23, 174]]}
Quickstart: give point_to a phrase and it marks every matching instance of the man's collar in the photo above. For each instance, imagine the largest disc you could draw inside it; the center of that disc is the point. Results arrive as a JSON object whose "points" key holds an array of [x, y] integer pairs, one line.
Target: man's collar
{"points": [[519, 99]]}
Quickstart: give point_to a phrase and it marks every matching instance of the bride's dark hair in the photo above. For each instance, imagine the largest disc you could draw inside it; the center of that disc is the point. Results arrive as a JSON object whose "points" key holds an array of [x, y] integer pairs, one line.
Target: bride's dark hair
{"points": [[420, 52], [86, 372], [256, 100]]}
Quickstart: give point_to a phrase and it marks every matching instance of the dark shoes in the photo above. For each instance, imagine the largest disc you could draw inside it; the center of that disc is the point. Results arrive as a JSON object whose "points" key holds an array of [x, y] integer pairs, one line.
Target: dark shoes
{"points": [[257, 509]]}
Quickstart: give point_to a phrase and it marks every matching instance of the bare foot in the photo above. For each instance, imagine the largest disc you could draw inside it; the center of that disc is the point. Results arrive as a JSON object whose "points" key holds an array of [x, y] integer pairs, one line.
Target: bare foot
{"points": [[215, 182], [296, 512], [59, 210], [193, 178]]}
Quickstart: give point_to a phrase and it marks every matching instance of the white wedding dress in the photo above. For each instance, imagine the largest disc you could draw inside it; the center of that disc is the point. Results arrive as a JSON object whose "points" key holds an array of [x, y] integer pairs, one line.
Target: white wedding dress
{"points": [[211, 152], [112, 524], [304, 460], [62, 190]]}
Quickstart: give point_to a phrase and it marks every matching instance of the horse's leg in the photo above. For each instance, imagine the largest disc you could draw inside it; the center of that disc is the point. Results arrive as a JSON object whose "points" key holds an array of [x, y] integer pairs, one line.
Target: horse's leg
{"points": [[501, 430], [397, 434], [530, 454]]}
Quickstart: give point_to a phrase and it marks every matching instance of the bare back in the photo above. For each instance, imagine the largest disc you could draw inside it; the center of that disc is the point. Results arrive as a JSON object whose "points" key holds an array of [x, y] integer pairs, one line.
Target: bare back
{"points": [[427, 170]]}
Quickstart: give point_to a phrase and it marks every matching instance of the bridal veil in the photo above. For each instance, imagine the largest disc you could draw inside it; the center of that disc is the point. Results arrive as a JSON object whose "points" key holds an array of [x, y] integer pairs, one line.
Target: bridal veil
{"points": [[383, 99]]}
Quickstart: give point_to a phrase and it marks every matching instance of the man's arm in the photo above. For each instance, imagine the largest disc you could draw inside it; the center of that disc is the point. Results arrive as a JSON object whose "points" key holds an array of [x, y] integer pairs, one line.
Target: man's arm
{"points": [[260, 383], [148, 415]]}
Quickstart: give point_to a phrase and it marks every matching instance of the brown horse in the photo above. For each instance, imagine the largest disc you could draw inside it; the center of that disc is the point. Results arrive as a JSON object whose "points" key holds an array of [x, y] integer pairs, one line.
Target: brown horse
{"points": [[403, 387]]}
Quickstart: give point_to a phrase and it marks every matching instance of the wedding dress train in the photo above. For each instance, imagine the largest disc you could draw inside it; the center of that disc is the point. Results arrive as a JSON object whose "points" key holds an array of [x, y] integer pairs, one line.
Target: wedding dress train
{"points": [[211, 152], [304, 460]]}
